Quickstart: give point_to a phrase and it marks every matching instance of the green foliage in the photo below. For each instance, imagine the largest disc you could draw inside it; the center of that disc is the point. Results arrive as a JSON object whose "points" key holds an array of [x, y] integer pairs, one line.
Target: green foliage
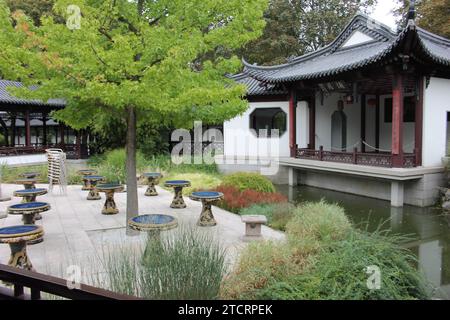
{"points": [[318, 221], [249, 181], [35, 9], [167, 62], [339, 273], [111, 165], [430, 15], [325, 258], [184, 265], [164, 163], [277, 214], [296, 27], [11, 174], [199, 181]]}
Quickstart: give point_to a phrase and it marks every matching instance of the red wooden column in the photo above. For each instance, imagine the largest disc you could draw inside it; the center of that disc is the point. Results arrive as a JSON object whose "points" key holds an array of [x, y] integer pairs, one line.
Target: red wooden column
{"points": [[44, 128], [292, 122], [397, 121], [312, 123], [363, 122], [418, 125], [377, 123], [27, 129]]}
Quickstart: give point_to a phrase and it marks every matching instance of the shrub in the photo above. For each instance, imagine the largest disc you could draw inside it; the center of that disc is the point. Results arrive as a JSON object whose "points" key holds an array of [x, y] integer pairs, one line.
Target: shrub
{"points": [[260, 264], [277, 214], [199, 181], [325, 258], [184, 265], [234, 200], [318, 221], [112, 165], [164, 163], [340, 273], [11, 174], [249, 181]]}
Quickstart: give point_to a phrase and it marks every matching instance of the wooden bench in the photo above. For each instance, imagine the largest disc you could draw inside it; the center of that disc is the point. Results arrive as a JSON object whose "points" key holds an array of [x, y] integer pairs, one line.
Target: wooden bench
{"points": [[253, 226]]}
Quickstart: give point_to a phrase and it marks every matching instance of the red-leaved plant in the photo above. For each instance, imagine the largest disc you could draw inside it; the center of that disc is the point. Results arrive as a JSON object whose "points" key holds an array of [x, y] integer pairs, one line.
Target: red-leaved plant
{"points": [[234, 200]]}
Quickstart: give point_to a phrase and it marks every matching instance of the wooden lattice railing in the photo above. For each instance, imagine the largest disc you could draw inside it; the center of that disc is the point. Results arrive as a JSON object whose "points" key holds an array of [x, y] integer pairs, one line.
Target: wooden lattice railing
{"points": [[362, 158]]}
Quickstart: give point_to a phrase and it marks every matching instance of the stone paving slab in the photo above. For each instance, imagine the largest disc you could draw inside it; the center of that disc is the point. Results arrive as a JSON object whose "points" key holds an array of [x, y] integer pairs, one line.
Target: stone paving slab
{"points": [[77, 233]]}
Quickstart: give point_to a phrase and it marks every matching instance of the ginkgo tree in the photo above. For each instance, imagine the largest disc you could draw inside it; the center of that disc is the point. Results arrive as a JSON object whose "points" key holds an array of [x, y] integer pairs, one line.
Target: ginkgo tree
{"points": [[133, 60]]}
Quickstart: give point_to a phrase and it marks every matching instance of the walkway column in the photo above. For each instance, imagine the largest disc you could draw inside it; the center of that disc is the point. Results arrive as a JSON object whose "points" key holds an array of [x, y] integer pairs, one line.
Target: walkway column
{"points": [[292, 122], [61, 134], [312, 123], [377, 123], [27, 129], [363, 122], [44, 129], [418, 124], [397, 193], [397, 121]]}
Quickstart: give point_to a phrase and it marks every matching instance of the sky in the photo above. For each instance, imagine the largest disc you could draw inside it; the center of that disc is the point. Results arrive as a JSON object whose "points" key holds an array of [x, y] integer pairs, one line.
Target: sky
{"points": [[383, 12]]}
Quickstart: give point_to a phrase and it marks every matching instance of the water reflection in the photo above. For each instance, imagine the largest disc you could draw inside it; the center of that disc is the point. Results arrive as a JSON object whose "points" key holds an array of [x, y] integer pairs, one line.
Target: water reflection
{"points": [[428, 228]]}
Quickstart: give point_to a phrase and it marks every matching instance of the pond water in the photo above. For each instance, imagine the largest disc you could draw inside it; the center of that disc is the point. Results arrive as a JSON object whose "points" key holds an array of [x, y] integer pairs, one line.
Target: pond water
{"points": [[428, 227]]}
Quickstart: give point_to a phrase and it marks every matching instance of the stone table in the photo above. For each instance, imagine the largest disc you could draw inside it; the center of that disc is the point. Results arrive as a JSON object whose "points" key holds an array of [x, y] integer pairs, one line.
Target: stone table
{"points": [[28, 212], [109, 189], [17, 237], [29, 195], [92, 182], [84, 173], [153, 224], [207, 198], [30, 175], [178, 185], [28, 183], [152, 180]]}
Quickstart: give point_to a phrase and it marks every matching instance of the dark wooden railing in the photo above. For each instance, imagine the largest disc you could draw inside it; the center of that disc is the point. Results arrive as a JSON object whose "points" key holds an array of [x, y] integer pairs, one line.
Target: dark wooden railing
{"points": [[18, 279], [73, 151], [362, 158]]}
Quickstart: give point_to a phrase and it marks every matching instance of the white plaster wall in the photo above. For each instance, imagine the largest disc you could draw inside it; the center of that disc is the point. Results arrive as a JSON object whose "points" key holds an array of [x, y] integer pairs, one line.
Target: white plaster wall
{"points": [[302, 124], [240, 141], [323, 121], [435, 107]]}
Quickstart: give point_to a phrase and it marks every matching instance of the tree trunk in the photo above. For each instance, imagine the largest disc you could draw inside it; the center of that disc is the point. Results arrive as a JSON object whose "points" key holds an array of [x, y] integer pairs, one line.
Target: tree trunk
{"points": [[132, 196]]}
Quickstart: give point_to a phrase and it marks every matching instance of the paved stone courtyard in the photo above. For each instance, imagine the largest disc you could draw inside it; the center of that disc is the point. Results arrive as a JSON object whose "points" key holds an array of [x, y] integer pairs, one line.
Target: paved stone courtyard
{"points": [[77, 233]]}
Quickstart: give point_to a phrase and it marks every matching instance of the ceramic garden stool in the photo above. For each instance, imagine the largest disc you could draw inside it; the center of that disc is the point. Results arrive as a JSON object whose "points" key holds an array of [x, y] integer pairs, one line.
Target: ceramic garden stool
{"points": [[109, 189], [253, 226], [93, 192], [152, 181], [30, 175], [84, 173], [153, 223], [28, 212], [207, 198], [28, 183], [177, 185], [17, 237], [29, 195]]}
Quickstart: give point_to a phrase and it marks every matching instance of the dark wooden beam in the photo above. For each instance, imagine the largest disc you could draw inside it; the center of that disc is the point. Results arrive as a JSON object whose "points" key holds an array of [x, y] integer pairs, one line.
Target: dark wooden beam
{"points": [[27, 129], [292, 122], [377, 122], [363, 122]]}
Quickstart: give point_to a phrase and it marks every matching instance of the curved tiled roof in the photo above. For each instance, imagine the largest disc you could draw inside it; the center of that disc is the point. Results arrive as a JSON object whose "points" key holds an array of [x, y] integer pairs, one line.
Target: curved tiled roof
{"points": [[6, 97], [336, 58], [258, 88]]}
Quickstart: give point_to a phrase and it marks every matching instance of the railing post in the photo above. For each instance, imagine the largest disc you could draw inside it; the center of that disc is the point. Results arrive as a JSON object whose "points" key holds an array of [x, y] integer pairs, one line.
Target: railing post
{"points": [[355, 151], [321, 153]]}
